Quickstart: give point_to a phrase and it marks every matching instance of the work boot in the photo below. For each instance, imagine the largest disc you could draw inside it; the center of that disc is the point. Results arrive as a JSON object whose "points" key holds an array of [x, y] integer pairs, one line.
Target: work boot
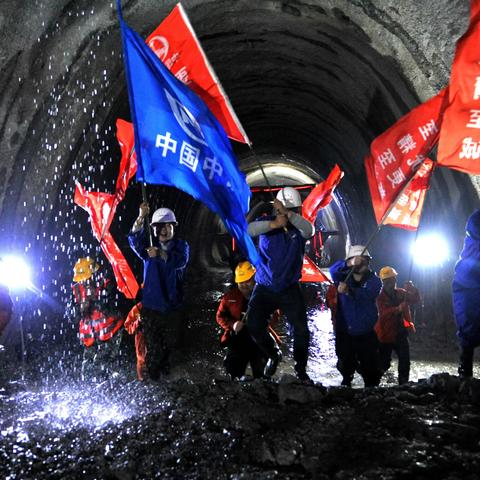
{"points": [[465, 369], [272, 364], [465, 372], [303, 377]]}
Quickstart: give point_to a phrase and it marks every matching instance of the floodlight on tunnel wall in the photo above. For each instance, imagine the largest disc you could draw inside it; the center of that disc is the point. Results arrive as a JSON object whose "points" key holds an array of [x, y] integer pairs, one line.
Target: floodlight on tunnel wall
{"points": [[14, 273], [430, 250]]}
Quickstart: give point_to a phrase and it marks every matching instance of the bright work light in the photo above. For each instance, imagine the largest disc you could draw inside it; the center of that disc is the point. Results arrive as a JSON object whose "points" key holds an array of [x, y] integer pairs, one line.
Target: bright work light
{"points": [[430, 250], [14, 273]]}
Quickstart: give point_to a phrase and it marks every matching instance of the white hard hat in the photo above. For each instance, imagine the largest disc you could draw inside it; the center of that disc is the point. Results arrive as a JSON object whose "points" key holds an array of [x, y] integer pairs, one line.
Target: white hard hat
{"points": [[163, 215], [357, 251], [289, 197]]}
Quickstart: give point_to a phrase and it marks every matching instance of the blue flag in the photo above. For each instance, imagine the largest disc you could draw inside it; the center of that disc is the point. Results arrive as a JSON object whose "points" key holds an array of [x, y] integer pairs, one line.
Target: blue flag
{"points": [[179, 142]]}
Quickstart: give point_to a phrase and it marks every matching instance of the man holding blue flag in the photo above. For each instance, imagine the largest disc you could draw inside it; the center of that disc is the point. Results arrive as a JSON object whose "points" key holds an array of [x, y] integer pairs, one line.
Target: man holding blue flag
{"points": [[179, 142], [163, 308]]}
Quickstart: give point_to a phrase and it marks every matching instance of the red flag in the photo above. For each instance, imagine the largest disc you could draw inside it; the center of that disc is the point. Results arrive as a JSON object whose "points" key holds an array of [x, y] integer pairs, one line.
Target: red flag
{"points": [[397, 153], [321, 195], [176, 45], [99, 205], [407, 211], [128, 163], [311, 273], [459, 145]]}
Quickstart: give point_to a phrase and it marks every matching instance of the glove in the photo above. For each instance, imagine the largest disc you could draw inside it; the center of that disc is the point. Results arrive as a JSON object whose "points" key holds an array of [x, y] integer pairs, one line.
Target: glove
{"points": [[237, 326]]}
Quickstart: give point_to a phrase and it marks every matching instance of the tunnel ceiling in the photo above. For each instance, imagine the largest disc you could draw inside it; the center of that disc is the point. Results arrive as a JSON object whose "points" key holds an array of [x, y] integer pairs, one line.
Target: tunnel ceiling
{"points": [[314, 81]]}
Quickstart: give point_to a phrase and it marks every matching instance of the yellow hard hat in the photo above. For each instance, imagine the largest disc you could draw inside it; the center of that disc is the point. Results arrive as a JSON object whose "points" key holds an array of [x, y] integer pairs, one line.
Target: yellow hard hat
{"points": [[244, 272], [84, 268], [387, 272]]}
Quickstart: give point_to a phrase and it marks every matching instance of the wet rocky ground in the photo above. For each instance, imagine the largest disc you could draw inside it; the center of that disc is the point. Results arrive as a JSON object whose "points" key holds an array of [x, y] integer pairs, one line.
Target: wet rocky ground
{"points": [[245, 430], [197, 424]]}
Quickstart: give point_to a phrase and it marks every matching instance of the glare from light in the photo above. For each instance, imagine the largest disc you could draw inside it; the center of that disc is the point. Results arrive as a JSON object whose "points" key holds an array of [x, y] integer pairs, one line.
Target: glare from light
{"points": [[14, 273], [279, 170], [430, 250], [68, 408]]}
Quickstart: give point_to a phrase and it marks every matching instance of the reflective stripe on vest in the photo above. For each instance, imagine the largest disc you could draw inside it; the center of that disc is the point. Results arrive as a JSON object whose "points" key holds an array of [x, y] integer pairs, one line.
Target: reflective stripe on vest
{"points": [[86, 334], [80, 290], [105, 327], [109, 328]]}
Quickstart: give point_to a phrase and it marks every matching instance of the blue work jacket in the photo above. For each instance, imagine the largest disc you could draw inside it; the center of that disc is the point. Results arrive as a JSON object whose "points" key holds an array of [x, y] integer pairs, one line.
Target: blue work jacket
{"points": [[163, 281], [281, 256], [356, 312], [466, 285]]}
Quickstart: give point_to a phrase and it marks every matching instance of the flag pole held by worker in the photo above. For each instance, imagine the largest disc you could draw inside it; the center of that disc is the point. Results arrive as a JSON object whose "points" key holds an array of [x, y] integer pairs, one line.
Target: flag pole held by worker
{"points": [[179, 142]]}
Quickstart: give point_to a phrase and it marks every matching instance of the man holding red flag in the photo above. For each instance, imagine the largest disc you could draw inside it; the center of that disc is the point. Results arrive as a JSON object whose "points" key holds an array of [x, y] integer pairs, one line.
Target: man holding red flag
{"points": [[281, 245], [352, 301]]}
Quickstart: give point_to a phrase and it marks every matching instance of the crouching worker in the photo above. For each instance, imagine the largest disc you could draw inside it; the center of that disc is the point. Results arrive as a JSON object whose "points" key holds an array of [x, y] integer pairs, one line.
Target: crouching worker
{"points": [[395, 322], [99, 321], [164, 266], [466, 295], [241, 348], [281, 246], [354, 315]]}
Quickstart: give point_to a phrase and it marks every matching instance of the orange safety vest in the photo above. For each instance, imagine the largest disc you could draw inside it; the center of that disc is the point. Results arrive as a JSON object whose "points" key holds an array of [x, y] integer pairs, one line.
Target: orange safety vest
{"points": [[86, 334], [96, 325], [131, 325], [331, 300], [133, 319]]}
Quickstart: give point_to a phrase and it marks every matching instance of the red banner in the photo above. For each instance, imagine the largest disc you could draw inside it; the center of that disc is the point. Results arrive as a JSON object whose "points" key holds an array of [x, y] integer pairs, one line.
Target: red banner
{"points": [[311, 273], [459, 145], [398, 152], [407, 211], [128, 163], [321, 195], [176, 45], [99, 206]]}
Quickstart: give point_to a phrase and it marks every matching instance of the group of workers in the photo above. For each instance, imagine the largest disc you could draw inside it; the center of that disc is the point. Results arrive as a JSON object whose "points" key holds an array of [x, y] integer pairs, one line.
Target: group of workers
{"points": [[370, 314]]}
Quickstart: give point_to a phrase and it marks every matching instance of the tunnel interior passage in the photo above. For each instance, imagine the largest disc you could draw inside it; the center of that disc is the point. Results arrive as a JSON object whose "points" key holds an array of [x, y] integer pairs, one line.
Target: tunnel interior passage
{"points": [[311, 83]]}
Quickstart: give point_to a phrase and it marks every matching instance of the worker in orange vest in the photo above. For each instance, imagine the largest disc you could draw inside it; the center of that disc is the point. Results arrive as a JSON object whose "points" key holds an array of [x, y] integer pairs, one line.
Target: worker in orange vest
{"points": [[99, 321], [241, 348], [395, 322]]}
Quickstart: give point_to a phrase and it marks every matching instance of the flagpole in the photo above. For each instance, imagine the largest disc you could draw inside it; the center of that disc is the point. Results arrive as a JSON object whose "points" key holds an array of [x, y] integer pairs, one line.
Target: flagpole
{"points": [[147, 220], [386, 214], [259, 163], [416, 238]]}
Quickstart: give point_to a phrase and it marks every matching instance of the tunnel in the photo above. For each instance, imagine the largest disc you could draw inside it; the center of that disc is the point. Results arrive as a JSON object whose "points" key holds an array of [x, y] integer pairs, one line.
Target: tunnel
{"points": [[312, 86], [312, 83]]}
